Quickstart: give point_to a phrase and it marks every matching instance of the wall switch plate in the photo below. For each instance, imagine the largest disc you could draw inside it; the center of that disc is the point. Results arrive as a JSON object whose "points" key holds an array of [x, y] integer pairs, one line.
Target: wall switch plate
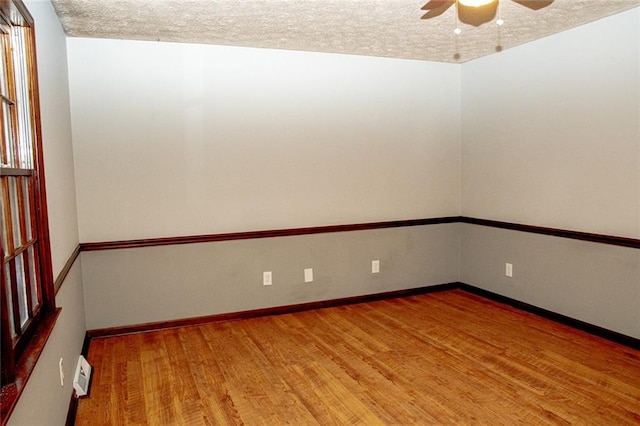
{"points": [[308, 275], [508, 270], [375, 266], [267, 278]]}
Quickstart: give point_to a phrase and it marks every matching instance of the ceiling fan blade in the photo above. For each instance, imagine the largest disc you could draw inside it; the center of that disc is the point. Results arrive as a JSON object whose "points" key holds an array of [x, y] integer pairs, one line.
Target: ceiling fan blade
{"points": [[534, 4], [435, 4], [436, 8]]}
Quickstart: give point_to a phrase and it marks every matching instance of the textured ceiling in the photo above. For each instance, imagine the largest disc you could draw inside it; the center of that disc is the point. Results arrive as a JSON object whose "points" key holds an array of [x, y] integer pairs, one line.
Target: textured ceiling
{"points": [[388, 28]]}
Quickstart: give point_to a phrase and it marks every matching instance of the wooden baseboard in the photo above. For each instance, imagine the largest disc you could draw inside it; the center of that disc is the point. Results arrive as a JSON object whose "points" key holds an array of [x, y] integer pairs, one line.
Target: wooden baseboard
{"points": [[278, 310], [595, 330], [613, 336], [73, 410], [85, 344]]}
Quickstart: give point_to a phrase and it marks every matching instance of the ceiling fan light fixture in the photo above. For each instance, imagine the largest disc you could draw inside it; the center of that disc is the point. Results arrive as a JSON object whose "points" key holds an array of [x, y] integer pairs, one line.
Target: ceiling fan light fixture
{"points": [[475, 3]]}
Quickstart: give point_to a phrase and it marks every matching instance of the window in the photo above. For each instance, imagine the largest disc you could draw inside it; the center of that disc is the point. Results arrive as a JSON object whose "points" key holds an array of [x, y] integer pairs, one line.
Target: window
{"points": [[27, 294]]}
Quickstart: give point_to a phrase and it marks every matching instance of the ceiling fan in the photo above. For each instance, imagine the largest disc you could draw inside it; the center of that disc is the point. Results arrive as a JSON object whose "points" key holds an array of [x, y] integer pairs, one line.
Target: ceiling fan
{"points": [[476, 12]]}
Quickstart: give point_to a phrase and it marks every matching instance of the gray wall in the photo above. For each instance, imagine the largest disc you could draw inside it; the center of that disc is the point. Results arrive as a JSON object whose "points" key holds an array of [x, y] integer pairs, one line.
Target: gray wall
{"points": [[133, 286], [551, 137], [591, 282]]}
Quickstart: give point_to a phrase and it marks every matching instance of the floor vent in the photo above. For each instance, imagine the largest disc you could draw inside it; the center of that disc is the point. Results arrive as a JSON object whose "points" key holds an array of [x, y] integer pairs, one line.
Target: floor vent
{"points": [[82, 377]]}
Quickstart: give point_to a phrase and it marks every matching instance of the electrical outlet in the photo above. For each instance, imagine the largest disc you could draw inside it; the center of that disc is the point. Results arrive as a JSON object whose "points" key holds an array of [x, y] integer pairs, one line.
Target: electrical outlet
{"points": [[375, 266], [508, 270], [267, 278], [308, 275]]}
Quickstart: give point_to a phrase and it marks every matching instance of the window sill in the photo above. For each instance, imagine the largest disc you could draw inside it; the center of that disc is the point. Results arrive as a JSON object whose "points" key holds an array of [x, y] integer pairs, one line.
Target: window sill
{"points": [[11, 393]]}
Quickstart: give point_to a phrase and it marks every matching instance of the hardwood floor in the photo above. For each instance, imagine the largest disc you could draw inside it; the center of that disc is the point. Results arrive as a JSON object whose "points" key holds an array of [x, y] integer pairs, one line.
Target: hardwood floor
{"points": [[441, 358]]}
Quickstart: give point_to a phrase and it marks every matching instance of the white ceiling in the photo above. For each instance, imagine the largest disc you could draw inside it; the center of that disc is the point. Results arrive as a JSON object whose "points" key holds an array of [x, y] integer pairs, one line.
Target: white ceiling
{"points": [[388, 28]]}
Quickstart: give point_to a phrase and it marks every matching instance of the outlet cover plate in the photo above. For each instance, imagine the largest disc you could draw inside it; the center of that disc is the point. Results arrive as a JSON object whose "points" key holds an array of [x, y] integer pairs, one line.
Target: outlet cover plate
{"points": [[508, 269], [308, 275]]}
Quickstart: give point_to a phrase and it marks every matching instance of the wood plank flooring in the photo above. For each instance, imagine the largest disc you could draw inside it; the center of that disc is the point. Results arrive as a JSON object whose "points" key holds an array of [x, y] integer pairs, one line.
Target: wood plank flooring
{"points": [[442, 358]]}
